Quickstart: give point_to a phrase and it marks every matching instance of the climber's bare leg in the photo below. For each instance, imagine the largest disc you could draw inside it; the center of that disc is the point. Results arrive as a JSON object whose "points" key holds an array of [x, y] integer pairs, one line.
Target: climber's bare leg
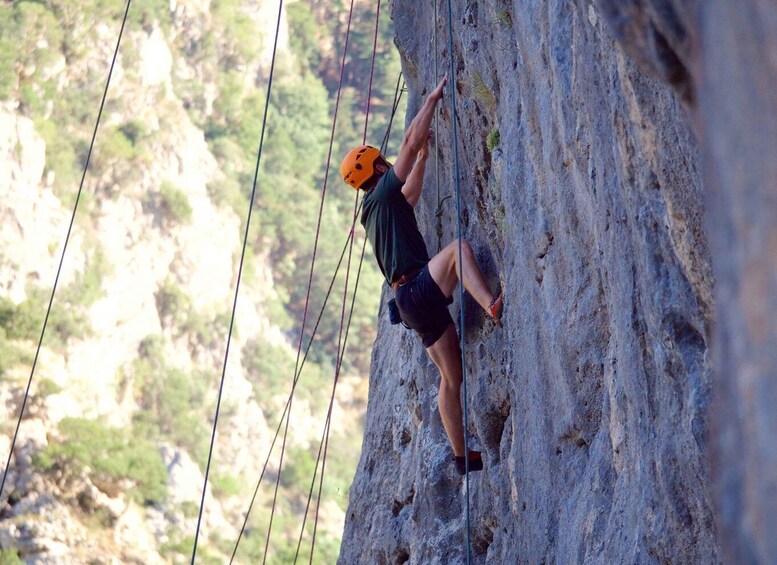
{"points": [[446, 354], [444, 268]]}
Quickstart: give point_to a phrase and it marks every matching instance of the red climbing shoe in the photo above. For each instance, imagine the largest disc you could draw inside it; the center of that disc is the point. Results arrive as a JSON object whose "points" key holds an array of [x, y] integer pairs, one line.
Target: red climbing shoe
{"points": [[495, 309]]}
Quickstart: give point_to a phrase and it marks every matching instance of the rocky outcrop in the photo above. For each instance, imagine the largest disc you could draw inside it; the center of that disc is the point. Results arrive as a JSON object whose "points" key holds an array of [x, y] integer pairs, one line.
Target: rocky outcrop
{"points": [[581, 187], [728, 51], [22, 256], [727, 56]]}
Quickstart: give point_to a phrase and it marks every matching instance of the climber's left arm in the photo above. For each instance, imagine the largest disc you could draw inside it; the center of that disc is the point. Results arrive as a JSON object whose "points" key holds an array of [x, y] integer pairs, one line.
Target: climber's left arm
{"points": [[415, 180]]}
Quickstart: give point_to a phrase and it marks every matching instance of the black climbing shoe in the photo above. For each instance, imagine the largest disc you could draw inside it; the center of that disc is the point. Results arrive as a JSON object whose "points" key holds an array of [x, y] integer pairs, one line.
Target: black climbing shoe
{"points": [[475, 463]]}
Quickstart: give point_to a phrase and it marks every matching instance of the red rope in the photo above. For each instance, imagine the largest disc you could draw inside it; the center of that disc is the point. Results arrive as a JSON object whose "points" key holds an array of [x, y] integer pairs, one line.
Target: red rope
{"points": [[372, 73], [310, 277], [341, 352]]}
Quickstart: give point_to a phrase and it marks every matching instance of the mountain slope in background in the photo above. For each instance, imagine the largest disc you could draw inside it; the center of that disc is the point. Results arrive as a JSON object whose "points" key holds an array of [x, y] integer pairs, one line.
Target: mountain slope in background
{"points": [[111, 454]]}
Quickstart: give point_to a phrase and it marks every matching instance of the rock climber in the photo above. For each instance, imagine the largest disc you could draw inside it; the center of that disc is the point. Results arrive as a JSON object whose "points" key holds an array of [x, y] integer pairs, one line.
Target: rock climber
{"points": [[423, 287]]}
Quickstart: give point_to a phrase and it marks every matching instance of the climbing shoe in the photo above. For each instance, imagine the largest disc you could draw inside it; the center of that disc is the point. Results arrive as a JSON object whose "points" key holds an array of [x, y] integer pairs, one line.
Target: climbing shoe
{"points": [[475, 463], [495, 309]]}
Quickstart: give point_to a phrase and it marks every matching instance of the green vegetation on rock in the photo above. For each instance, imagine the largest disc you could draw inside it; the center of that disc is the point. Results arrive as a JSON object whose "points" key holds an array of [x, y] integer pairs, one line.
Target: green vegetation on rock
{"points": [[174, 203], [173, 403], [493, 140], [110, 455], [68, 319], [10, 557]]}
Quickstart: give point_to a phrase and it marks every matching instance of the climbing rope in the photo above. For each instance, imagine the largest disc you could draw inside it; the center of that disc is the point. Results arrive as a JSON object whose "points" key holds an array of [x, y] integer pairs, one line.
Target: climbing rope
{"points": [[341, 352], [288, 401], [369, 88], [397, 97], [327, 423], [452, 87], [239, 276], [395, 105], [323, 444], [64, 248], [310, 278], [437, 211]]}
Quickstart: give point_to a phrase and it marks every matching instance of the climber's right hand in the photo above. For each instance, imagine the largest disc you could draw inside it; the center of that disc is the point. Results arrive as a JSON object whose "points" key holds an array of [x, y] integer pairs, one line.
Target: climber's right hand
{"points": [[437, 92]]}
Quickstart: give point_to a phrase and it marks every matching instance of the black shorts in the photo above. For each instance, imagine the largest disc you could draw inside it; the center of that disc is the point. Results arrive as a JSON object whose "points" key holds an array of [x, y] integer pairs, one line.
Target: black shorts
{"points": [[423, 307]]}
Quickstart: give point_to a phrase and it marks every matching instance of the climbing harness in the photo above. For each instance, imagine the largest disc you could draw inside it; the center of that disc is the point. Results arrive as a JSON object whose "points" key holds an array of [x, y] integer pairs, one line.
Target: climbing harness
{"points": [[64, 249]]}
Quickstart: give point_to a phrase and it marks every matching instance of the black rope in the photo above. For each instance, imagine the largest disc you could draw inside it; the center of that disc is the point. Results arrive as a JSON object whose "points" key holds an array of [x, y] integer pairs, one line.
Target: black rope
{"points": [[310, 279], [64, 249], [239, 276], [397, 97], [341, 351], [327, 423], [338, 366], [328, 427], [291, 394], [395, 106]]}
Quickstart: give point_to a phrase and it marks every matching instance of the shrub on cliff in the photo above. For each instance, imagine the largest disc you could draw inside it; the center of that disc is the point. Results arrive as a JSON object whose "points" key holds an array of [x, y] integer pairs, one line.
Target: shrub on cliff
{"points": [[174, 204], [10, 557], [111, 455]]}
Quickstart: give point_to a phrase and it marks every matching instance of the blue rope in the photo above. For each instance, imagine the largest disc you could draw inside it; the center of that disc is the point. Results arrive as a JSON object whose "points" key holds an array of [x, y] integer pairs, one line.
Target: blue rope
{"points": [[239, 275], [64, 249], [452, 87]]}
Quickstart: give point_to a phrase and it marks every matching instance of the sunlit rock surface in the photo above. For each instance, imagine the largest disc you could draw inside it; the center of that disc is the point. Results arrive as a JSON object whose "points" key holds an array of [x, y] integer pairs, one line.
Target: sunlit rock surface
{"points": [[592, 404]]}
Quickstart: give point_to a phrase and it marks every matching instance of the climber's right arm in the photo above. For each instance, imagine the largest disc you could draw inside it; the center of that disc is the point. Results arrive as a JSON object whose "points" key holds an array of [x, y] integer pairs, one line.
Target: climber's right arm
{"points": [[417, 133]]}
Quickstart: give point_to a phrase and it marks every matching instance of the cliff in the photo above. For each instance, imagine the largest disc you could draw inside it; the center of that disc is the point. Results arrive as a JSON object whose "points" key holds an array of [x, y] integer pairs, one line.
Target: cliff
{"points": [[724, 54], [584, 130]]}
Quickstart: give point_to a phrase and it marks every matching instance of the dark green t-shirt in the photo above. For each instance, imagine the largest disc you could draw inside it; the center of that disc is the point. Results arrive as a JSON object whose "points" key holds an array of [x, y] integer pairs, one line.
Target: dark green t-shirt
{"points": [[392, 229]]}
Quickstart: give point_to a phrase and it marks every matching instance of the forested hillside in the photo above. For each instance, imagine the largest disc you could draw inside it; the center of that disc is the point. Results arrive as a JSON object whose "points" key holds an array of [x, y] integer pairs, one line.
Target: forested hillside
{"points": [[112, 450]]}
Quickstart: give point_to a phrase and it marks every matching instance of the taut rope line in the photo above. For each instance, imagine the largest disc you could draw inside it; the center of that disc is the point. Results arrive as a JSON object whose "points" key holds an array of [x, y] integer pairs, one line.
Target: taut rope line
{"points": [[452, 86], [239, 276], [64, 249]]}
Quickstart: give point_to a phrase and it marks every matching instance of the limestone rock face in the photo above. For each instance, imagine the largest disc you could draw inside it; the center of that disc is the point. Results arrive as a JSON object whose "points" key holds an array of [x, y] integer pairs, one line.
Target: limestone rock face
{"points": [[727, 54], [20, 263], [737, 104], [581, 190]]}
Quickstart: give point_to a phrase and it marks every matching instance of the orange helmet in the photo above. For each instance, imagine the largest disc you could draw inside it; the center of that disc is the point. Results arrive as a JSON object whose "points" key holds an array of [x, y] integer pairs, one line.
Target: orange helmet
{"points": [[359, 165]]}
